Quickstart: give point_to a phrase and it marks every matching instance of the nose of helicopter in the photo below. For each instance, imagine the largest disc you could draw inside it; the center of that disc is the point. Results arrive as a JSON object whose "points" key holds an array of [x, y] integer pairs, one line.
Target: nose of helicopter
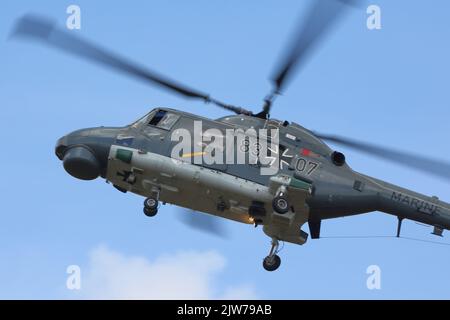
{"points": [[84, 153]]}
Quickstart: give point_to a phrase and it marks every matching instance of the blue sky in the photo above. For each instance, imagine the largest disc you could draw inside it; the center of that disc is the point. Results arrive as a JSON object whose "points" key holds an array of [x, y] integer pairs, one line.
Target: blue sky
{"points": [[388, 87]]}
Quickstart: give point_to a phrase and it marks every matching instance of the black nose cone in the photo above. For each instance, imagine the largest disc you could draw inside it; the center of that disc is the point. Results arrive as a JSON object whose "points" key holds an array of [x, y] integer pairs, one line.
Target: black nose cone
{"points": [[85, 152], [81, 163]]}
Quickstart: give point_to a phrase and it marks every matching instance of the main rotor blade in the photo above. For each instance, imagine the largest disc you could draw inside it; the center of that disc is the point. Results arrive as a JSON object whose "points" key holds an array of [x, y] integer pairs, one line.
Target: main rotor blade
{"points": [[47, 32], [204, 222], [415, 161], [322, 15], [312, 29]]}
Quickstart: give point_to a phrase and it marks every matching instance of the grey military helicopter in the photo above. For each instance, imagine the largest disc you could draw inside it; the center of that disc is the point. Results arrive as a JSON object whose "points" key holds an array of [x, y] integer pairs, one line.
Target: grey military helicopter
{"points": [[313, 182]]}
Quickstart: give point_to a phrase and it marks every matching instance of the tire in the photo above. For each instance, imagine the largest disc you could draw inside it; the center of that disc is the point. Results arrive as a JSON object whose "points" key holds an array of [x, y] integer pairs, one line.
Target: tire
{"points": [[271, 263], [150, 212], [151, 203], [280, 204]]}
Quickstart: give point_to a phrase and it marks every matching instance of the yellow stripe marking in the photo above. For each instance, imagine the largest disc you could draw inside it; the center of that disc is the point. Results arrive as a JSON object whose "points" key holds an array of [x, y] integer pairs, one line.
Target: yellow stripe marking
{"points": [[193, 154]]}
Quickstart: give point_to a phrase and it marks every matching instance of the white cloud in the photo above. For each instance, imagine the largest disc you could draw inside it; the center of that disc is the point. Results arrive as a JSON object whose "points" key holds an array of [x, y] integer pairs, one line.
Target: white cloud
{"points": [[184, 275]]}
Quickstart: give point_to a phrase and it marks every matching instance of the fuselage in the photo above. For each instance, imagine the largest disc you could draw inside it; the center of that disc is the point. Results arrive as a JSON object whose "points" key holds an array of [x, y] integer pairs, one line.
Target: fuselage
{"points": [[337, 190]]}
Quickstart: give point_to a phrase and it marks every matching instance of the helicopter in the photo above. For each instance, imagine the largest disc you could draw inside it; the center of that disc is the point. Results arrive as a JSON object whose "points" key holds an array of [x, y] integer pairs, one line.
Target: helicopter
{"points": [[311, 181]]}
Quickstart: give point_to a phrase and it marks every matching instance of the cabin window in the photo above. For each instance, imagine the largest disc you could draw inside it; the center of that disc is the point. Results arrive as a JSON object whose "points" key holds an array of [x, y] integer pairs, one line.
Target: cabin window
{"points": [[163, 119]]}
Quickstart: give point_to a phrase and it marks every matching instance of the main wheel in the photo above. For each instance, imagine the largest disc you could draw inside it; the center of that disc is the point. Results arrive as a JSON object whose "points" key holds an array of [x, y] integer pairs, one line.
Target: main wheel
{"points": [[271, 263], [280, 204], [150, 212], [151, 203]]}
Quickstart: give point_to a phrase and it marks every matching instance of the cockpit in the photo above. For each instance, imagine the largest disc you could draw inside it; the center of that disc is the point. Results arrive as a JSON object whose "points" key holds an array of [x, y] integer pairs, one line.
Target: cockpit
{"points": [[159, 118]]}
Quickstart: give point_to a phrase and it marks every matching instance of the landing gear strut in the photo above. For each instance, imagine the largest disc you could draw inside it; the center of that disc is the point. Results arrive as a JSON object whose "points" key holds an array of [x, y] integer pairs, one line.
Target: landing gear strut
{"points": [[272, 261]]}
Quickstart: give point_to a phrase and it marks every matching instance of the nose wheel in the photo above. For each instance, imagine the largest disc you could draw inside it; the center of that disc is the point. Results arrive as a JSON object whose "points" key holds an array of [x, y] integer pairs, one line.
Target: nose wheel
{"points": [[272, 262], [151, 207]]}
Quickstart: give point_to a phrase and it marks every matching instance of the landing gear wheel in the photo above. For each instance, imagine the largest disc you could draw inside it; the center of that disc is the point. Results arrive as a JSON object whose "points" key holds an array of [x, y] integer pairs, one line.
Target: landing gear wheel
{"points": [[150, 212], [280, 204], [271, 263], [151, 203], [151, 207]]}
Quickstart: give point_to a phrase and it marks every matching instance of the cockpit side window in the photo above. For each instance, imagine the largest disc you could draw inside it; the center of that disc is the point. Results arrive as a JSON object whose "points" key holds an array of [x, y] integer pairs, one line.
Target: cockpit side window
{"points": [[163, 119], [143, 121], [168, 121], [157, 117]]}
